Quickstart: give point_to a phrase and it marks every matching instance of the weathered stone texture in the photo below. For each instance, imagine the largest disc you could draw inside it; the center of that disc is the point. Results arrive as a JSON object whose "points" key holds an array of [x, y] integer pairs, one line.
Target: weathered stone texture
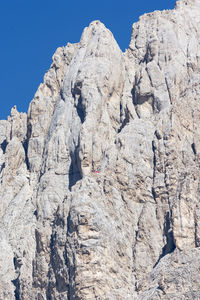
{"points": [[99, 182]]}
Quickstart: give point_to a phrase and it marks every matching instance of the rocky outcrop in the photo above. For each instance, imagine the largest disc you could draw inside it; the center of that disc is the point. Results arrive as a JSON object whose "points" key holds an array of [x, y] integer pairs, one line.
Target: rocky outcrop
{"points": [[100, 180]]}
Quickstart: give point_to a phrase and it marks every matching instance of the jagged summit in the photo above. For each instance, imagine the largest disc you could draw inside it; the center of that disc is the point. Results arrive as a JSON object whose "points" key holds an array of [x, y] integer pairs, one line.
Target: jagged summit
{"points": [[99, 181]]}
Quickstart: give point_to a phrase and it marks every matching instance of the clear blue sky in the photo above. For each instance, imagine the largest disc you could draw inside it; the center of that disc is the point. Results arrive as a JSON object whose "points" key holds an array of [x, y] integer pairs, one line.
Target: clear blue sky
{"points": [[31, 30]]}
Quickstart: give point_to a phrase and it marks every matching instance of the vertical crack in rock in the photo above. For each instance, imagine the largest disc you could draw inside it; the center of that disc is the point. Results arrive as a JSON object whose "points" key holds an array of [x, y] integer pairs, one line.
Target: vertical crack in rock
{"points": [[25, 145], [16, 282], [68, 257], [170, 244], [56, 261], [80, 109], [179, 194], [3, 146], [2, 167], [194, 148], [126, 119], [196, 217], [74, 170], [56, 265], [134, 247], [168, 90], [78, 101], [26, 142], [135, 100], [154, 171], [165, 175]]}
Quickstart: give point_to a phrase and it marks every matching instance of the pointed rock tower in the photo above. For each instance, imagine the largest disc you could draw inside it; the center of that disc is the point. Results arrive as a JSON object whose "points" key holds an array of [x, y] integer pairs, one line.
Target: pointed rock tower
{"points": [[99, 182]]}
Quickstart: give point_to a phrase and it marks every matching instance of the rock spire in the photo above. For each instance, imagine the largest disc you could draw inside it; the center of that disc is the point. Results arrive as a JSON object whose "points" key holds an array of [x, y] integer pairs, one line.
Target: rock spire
{"points": [[99, 181]]}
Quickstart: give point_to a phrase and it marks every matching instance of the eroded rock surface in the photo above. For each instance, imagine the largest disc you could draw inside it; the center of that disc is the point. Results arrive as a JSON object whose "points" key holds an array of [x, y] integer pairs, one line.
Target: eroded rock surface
{"points": [[99, 195]]}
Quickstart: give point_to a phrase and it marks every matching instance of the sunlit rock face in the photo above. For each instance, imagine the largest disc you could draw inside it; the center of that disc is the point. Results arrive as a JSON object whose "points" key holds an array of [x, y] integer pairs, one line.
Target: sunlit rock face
{"points": [[99, 182]]}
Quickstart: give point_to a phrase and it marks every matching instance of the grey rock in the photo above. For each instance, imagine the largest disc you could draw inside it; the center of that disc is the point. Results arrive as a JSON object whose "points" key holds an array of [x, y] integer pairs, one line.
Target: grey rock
{"points": [[99, 182]]}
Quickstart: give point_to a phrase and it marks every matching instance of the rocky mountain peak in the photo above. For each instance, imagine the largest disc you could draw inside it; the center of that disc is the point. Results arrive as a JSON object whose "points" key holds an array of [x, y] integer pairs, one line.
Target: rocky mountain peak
{"points": [[99, 181]]}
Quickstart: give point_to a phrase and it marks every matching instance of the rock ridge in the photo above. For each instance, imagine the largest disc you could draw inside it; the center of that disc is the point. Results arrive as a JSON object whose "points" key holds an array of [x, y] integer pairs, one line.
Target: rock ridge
{"points": [[99, 181]]}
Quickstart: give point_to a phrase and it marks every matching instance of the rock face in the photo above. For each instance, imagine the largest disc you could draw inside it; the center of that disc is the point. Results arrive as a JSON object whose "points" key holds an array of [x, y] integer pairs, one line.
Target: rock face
{"points": [[100, 182]]}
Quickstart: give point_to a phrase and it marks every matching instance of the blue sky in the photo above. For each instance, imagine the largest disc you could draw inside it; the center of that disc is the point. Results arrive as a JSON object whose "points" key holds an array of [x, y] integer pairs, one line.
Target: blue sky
{"points": [[30, 32]]}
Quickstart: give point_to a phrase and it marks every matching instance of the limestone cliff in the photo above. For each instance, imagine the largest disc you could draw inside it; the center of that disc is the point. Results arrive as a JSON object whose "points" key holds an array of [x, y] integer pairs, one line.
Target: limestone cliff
{"points": [[100, 182]]}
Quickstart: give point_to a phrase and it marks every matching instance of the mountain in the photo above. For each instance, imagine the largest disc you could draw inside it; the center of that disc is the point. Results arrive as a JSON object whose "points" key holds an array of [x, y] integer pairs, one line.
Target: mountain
{"points": [[100, 181]]}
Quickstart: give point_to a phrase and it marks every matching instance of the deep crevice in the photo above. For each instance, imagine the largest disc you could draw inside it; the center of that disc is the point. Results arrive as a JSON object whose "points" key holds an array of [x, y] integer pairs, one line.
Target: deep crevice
{"points": [[78, 101], [145, 58], [135, 100], [153, 193], [16, 283], [134, 96], [80, 109], [170, 244], [168, 90], [70, 265], [25, 145], [194, 148], [125, 122], [161, 289], [3, 146], [2, 167], [29, 130], [17, 265], [58, 274], [74, 170], [196, 225], [36, 214], [154, 170], [57, 267]]}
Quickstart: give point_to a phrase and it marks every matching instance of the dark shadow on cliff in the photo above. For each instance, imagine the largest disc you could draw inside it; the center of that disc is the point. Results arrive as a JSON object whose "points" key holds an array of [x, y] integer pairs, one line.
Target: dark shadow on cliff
{"points": [[170, 243], [74, 170], [80, 109], [3, 146]]}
